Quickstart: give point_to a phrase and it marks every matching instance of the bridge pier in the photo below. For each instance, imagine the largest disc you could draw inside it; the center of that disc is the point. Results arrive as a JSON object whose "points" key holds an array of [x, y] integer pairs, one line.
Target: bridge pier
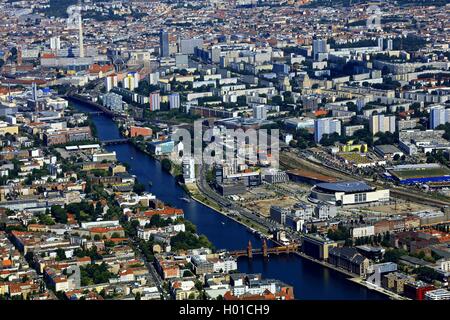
{"points": [[264, 249], [249, 250]]}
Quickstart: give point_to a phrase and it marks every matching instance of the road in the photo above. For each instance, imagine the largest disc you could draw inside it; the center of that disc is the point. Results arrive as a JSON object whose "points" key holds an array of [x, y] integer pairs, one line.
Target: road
{"points": [[151, 269], [231, 206]]}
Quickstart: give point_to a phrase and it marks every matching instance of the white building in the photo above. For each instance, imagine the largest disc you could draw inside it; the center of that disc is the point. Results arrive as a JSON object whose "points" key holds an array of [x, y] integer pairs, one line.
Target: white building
{"points": [[174, 101], [364, 231], [155, 101], [225, 265], [347, 193], [325, 211], [153, 78], [189, 170], [113, 101], [438, 115], [55, 43], [110, 82], [438, 294], [382, 123], [260, 112], [131, 81], [326, 126]]}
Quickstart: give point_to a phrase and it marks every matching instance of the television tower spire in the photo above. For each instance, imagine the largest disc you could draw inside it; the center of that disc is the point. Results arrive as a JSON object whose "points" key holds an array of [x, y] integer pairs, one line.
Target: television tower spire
{"points": [[80, 30]]}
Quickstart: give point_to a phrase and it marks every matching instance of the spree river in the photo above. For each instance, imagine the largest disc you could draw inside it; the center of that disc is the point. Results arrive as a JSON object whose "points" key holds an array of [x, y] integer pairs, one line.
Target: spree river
{"points": [[310, 280]]}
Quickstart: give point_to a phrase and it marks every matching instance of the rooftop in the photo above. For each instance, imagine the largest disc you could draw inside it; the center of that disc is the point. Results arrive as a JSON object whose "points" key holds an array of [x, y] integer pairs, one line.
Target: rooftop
{"points": [[352, 186]]}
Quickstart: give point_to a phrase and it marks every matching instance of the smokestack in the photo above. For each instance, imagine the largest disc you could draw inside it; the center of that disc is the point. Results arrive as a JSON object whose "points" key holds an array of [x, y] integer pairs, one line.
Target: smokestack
{"points": [[80, 37]]}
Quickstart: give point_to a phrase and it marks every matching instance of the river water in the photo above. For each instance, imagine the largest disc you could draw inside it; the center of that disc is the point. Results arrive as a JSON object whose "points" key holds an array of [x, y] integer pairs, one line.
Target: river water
{"points": [[310, 280]]}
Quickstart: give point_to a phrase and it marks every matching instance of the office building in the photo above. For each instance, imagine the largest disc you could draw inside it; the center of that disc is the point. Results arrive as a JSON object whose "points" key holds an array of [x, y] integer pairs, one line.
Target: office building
{"points": [[349, 259], [317, 247], [164, 43], [187, 46], [159, 148], [181, 60], [416, 290], [320, 47]]}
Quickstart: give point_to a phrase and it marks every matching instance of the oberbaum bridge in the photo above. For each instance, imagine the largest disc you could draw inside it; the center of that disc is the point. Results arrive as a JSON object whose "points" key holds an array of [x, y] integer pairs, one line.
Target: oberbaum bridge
{"points": [[264, 251]]}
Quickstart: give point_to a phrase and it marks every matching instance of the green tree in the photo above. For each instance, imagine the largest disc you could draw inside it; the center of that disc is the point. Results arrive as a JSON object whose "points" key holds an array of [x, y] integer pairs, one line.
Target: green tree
{"points": [[166, 165], [59, 214], [138, 188]]}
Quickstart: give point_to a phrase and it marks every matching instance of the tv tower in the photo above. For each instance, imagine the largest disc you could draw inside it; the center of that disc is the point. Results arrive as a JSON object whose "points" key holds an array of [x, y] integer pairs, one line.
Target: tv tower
{"points": [[80, 30]]}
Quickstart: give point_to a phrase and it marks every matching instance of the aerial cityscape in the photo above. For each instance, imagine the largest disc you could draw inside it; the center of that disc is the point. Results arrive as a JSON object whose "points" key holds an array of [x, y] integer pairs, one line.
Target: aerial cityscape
{"points": [[235, 150]]}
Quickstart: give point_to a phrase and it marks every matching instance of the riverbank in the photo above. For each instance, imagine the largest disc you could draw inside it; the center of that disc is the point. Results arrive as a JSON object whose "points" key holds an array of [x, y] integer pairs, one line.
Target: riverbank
{"points": [[390, 294], [193, 191], [348, 275], [310, 282], [196, 195]]}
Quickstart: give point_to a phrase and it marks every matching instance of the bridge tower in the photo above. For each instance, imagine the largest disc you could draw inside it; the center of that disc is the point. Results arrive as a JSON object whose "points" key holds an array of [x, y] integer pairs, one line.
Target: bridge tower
{"points": [[264, 249], [249, 250]]}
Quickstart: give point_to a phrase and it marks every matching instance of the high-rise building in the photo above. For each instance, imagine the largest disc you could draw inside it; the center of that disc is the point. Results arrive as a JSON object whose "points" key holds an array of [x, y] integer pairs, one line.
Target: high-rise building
{"points": [[380, 43], [155, 101], [181, 60], [320, 47], [382, 123], [55, 43], [153, 78], [187, 46], [326, 126], [174, 101], [439, 115], [131, 81], [164, 43], [113, 101], [390, 45], [34, 91], [111, 82], [260, 112]]}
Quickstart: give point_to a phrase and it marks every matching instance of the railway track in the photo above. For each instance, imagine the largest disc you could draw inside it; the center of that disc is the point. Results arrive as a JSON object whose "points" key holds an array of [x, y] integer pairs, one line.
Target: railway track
{"points": [[291, 161]]}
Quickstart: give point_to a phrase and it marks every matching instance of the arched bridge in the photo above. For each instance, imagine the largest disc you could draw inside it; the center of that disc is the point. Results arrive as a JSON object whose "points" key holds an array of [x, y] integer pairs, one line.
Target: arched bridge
{"points": [[264, 251]]}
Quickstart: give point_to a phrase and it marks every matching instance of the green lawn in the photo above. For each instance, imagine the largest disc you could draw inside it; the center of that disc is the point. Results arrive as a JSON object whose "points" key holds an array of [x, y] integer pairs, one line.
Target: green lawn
{"points": [[421, 173]]}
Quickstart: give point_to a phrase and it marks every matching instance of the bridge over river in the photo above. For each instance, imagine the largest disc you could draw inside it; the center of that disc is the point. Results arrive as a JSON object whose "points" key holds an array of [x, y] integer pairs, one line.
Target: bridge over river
{"points": [[265, 250]]}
